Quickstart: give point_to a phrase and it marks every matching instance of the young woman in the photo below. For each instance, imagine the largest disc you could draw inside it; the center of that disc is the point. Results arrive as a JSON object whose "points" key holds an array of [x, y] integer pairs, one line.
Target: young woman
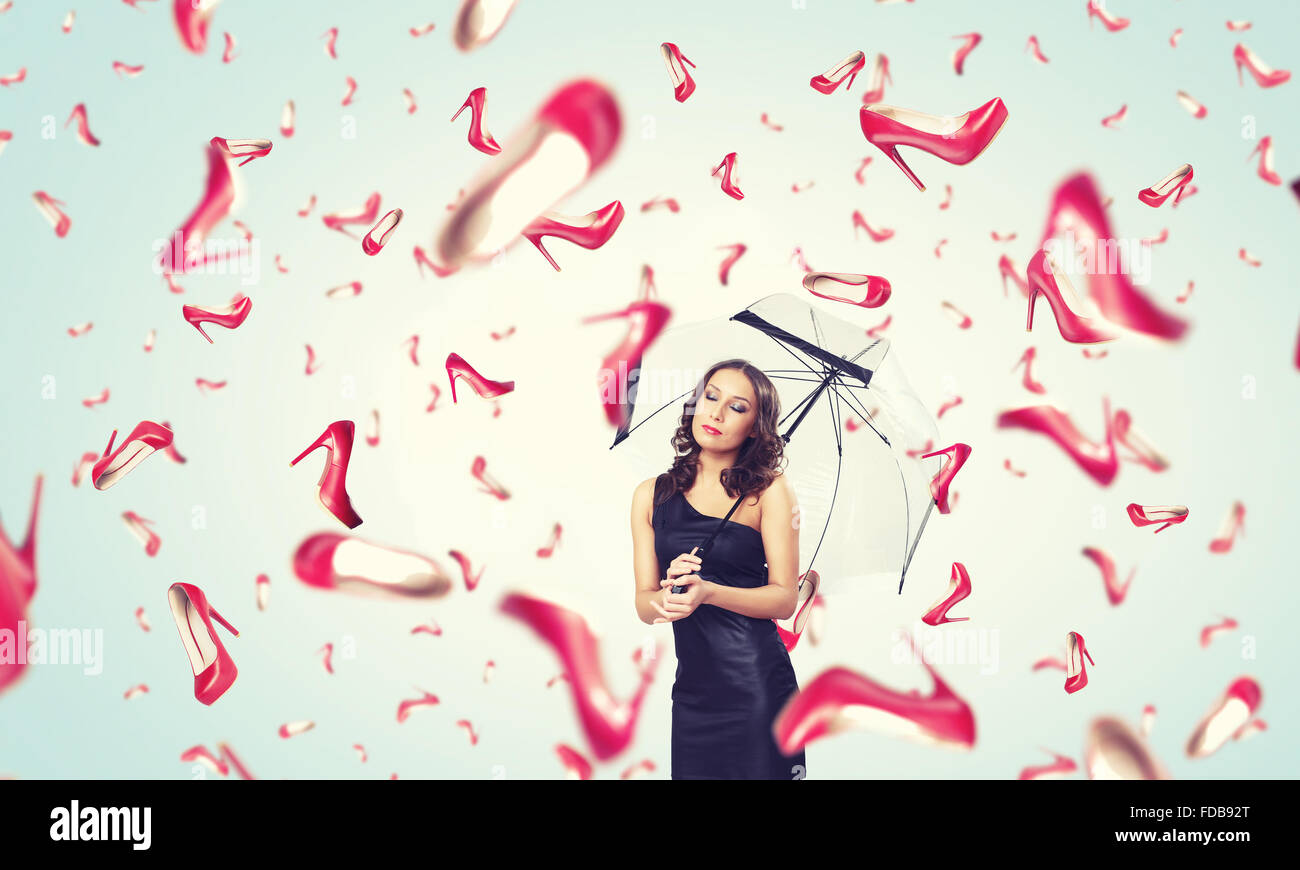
{"points": [[733, 671]]}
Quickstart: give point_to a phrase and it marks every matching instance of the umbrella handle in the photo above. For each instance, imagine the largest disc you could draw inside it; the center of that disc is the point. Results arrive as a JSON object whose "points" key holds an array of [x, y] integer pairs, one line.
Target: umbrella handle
{"points": [[678, 590]]}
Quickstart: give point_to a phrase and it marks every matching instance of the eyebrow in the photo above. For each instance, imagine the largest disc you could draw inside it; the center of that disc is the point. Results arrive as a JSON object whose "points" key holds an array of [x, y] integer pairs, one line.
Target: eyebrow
{"points": [[742, 398]]}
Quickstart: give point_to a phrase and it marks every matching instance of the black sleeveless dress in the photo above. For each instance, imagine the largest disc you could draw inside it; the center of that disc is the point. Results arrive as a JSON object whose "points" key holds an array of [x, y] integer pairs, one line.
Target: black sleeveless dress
{"points": [[733, 671]]}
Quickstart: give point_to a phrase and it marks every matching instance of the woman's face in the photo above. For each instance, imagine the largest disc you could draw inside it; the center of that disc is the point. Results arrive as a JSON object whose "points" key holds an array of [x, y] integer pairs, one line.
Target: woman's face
{"points": [[726, 411]]}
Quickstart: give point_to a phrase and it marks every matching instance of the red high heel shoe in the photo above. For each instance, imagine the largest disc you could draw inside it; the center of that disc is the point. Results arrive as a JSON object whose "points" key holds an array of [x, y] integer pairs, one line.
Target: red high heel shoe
{"points": [[958, 590], [572, 135], [1027, 380], [1174, 182], [49, 207], [214, 671], [646, 319], [236, 148], [1043, 277], [724, 268], [1114, 751], [879, 75], [728, 187], [139, 526], [373, 242], [1077, 209], [878, 289], [478, 137], [478, 21], [608, 723], [485, 387], [1098, 460], [1265, 170], [17, 586], [683, 84], [828, 81], [860, 223], [590, 231], [144, 439], [1226, 719], [83, 126], [332, 561], [1265, 76], [339, 220], [1076, 675], [1111, 21], [957, 455], [808, 584], [1169, 514], [1008, 269], [1234, 522], [959, 56], [1144, 451], [839, 699], [18, 564], [957, 139], [231, 317], [332, 487]]}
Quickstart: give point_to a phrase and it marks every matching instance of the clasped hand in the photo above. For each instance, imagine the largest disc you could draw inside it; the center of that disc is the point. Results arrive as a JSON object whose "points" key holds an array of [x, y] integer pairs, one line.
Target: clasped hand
{"points": [[682, 572]]}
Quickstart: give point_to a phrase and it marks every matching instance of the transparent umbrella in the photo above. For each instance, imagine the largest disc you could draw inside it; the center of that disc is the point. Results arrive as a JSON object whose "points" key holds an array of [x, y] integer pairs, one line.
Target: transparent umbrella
{"points": [[863, 500]]}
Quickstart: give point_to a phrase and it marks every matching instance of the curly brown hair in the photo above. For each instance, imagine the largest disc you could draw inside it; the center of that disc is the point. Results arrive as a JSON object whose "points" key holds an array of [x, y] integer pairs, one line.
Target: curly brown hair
{"points": [[759, 461]]}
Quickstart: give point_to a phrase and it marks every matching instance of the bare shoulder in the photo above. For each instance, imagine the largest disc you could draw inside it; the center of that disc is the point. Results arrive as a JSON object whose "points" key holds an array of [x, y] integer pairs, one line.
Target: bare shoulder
{"points": [[643, 497], [779, 496]]}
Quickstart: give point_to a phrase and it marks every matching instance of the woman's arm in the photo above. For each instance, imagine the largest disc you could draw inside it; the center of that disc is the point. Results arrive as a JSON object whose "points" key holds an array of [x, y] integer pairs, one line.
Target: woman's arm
{"points": [[778, 598], [763, 602], [645, 564]]}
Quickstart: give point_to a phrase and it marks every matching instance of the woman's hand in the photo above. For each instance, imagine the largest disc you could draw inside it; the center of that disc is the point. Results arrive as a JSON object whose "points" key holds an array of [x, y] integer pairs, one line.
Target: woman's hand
{"points": [[682, 572]]}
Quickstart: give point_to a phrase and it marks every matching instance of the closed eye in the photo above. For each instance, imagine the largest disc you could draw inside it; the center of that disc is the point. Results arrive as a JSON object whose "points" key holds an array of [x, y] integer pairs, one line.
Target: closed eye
{"points": [[739, 409]]}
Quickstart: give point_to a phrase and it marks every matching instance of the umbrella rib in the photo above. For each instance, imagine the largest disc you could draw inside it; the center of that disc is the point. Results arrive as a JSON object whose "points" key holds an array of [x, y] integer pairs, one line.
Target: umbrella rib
{"points": [[651, 415], [770, 374], [790, 351], [839, 463], [907, 505], [862, 412], [928, 508]]}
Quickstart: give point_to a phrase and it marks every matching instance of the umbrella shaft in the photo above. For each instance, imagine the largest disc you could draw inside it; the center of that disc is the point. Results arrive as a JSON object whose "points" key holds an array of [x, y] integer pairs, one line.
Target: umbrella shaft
{"points": [[812, 400]]}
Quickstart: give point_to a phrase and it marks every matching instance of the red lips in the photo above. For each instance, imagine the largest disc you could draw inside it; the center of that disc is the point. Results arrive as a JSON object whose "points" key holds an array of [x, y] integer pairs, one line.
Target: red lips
{"points": [[711, 430]]}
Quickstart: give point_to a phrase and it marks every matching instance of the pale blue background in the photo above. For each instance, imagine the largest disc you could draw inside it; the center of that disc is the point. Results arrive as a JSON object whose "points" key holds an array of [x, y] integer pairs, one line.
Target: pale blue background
{"points": [[1020, 538]]}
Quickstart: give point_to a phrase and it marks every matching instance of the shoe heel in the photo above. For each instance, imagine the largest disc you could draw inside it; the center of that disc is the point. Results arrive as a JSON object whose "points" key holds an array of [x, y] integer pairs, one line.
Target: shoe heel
{"points": [[219, 618], [1089, 655], [683, 57], [610, 316], [319, 442], [1033, 296], [537, 243], [849, 83], [461, 109], [111, 439], [898, 161]]}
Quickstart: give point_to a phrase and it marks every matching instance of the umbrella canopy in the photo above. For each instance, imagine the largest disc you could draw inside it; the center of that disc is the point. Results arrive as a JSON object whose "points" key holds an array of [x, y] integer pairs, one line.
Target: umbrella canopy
{"points": [[848, 416]]}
